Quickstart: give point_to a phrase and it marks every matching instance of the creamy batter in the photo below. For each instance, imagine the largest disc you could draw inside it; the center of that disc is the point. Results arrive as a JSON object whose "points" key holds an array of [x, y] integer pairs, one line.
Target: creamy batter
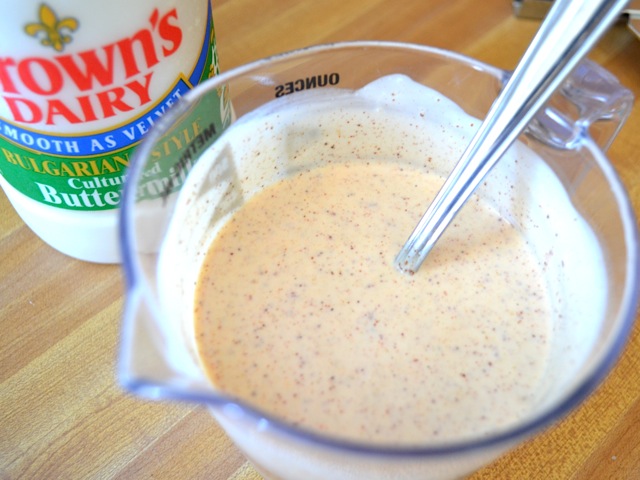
{"points": [[300, 312], [283, 240]]}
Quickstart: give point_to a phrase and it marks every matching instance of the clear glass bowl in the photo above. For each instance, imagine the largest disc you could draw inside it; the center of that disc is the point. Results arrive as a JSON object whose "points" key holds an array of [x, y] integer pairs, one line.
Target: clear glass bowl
{"points": [[158, 358]]}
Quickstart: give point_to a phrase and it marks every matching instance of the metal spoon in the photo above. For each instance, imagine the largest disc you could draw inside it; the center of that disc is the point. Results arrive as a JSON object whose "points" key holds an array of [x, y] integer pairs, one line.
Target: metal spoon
{"points": [[569, 31]]}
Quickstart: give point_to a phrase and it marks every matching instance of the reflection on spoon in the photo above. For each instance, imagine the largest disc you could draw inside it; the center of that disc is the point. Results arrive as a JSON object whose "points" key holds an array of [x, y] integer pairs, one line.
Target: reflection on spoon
{"points": [[569, 31]]}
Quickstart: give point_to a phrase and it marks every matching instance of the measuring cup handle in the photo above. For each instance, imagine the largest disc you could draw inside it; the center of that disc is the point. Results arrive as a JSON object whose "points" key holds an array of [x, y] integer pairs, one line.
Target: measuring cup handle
{"points": [[590, 102]]}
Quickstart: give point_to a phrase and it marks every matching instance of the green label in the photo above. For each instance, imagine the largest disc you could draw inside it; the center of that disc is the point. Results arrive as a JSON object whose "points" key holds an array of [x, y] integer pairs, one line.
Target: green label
{"points": [[86, 172], [174, 153]]}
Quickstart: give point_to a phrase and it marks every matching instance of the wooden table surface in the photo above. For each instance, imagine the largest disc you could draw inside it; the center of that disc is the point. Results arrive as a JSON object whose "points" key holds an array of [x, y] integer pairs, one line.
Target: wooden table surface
{"points": [[63, 413]]}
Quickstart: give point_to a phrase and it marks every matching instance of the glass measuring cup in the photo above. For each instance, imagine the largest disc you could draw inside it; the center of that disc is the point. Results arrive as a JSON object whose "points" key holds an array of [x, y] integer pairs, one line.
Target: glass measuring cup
{"points": [[158, 357]]}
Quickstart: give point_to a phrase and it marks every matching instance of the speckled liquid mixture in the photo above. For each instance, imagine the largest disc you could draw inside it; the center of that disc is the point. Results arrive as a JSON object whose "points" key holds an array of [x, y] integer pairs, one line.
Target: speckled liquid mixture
{"points": [[300, 312]]}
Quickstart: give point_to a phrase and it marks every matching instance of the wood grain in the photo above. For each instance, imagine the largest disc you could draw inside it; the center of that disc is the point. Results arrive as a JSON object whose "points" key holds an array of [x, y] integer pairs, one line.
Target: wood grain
{"points": [[63, 414]]}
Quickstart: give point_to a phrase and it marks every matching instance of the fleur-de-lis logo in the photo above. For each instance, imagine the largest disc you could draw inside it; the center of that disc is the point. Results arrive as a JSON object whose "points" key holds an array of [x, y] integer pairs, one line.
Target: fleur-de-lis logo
{"points": [[52, 31]]}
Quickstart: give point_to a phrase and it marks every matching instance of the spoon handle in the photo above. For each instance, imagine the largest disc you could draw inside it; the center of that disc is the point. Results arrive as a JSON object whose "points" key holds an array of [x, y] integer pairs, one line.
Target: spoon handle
{"points": [[569, 31]]}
